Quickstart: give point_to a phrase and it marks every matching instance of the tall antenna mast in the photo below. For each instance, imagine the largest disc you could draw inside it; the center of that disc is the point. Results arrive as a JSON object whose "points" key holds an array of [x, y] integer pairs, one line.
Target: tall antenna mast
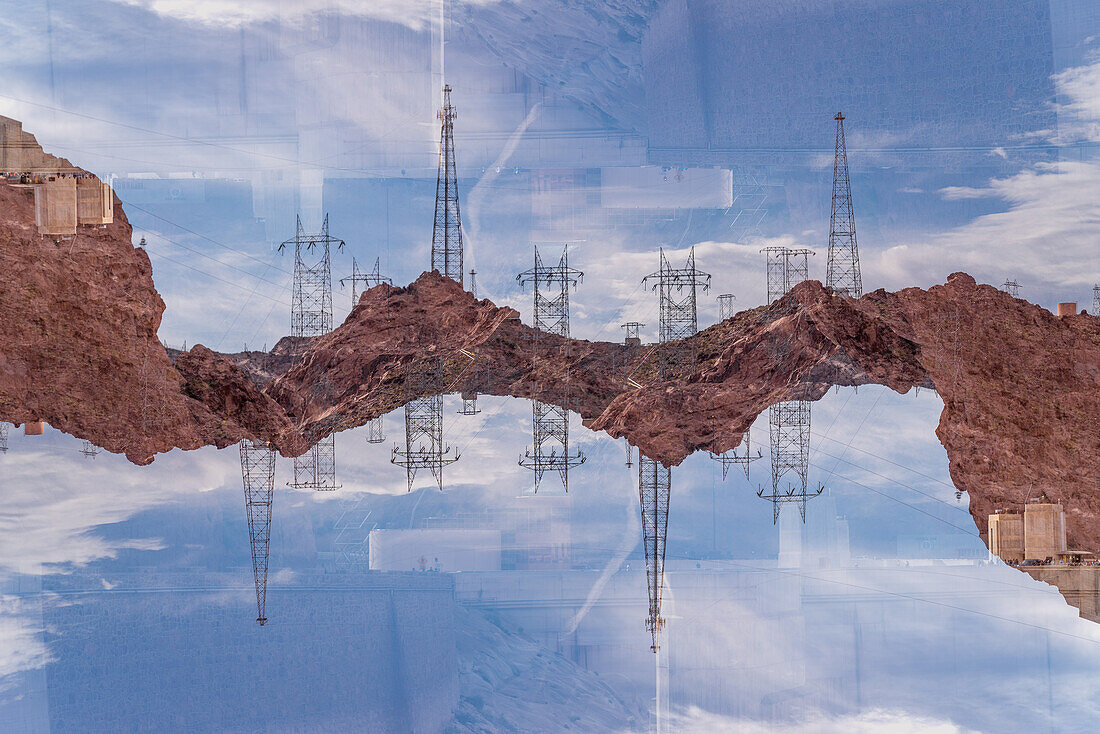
{"points": [[843, 274], [447, 229]]}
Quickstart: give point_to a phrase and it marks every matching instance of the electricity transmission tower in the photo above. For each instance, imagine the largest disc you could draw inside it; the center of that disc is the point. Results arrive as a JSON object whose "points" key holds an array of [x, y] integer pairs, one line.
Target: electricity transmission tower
{"points": [[369, 280], [424, 447], [88, 449], [375, 431], [316, 469], [311, 315], [729, 458], [3, 437], [258, 475], [789, 421], [786, 268], [550, 423], [633, 336], [725, 306], [1012, 288], [843, 274], [677, 290], [654, 490], [447, 230], [311, 302], [1096, 300]]}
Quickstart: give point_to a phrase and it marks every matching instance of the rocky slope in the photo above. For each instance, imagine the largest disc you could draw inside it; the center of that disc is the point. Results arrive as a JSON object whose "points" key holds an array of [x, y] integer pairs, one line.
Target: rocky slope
{"points": [[78, 349]]}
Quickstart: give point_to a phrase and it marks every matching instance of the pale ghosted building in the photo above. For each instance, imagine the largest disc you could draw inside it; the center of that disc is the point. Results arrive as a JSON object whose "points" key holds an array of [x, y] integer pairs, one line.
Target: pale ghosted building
{"points": [[531, 533]]}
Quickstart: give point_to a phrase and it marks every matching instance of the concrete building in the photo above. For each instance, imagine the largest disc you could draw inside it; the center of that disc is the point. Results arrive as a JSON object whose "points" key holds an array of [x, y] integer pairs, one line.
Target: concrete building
{"points": [[95, 202], [1006, 536], [55, 206], [21, 153], [1044, 530]]}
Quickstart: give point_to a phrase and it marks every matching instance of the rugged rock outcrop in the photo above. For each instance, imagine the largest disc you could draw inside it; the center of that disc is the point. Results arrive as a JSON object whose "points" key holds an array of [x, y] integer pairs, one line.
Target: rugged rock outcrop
{"points": [[1021, 388], [78, 349]]}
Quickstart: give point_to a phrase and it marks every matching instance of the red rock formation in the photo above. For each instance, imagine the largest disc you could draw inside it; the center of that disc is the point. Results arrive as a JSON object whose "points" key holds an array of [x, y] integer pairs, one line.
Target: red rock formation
{"points": [[78, 342], [1021, 388], [78, 349]]}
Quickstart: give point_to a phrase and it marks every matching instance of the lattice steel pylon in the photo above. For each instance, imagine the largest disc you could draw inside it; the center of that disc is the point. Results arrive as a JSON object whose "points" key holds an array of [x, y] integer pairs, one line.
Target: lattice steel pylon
{"points": [[729, 458], [550, 423], [789, 421], [654, 490], [679, 309], [447, 230], [843, 274], [786, 268], [311, 300], [424, 448], [375, 431], [369, 280], [3, 437], [1011, 287], [316, 469], [1096, 300], [258, 475], [88, 449]]}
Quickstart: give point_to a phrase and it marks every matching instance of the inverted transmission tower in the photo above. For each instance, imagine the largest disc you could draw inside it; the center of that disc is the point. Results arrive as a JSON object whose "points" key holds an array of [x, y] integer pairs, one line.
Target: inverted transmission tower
{"points": [[550, 423], [789, 421], [310, 316], [3, 437], [258, 474], [424, 447], [654, 489], [447, 231], [375, 430], [843, 274], [729, 458], [677, 290]]}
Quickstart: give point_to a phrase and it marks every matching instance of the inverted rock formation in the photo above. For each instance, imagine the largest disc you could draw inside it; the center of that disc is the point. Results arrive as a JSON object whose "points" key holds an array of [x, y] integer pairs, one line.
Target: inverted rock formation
{"points": [[78, 349]]}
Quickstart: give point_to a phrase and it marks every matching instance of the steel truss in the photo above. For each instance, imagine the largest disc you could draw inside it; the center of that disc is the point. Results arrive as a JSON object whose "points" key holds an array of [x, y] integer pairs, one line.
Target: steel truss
{"points": [[786, 268], [677, 290], [789, 422], [311, 301], [654, 490], [316, 469], [424, 448], [550, 423], [258, 475], [447, 228], [843, 274], [369, 280]]}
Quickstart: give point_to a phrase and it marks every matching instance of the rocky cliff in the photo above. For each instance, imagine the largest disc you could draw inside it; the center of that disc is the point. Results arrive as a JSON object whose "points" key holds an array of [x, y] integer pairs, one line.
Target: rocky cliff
{"points": [[78, 349]]}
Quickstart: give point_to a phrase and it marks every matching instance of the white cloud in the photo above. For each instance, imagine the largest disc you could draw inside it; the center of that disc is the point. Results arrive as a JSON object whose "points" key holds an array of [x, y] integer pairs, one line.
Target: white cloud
{"points": [[697, 721], [413, 13], [21, 645]]}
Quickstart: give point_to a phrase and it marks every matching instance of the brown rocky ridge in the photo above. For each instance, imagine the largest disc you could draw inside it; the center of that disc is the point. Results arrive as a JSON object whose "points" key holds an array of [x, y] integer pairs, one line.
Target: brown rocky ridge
{"points": [[78, 349]]}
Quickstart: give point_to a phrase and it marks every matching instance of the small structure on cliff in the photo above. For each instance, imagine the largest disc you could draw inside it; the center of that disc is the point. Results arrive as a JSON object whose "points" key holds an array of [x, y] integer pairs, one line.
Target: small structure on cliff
{"points": [[1039, 533]]}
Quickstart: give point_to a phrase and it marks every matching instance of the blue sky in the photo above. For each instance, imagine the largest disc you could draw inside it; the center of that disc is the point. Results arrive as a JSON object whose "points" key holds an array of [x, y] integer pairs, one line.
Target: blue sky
{"points": [[622, 126]]}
